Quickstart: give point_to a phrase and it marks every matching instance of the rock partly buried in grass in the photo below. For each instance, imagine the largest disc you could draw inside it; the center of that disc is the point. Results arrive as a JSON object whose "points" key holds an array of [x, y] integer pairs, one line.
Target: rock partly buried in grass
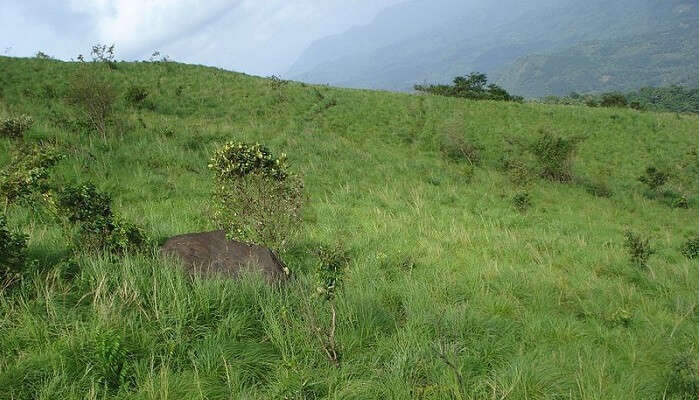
{"points": [[210, 254]]}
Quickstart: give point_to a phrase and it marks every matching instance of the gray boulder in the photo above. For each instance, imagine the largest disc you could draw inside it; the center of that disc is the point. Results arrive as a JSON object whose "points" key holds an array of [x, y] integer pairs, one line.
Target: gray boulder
{"points": [[210, 254]]}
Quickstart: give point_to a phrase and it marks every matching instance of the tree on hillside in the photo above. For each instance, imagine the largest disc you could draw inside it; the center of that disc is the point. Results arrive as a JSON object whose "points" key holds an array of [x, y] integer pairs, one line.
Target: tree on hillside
{"points": [[472, 86]]}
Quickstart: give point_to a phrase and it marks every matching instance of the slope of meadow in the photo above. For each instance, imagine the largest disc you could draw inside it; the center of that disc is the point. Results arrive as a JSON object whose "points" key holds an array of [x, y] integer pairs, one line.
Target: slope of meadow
{"points": [[450, 292]]}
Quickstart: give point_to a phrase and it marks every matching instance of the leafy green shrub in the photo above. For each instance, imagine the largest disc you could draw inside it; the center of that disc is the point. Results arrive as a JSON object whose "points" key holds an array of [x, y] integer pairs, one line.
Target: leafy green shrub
{"points": [[136, 95], [86, 204], [14, 127], [111, 362], [691, 248], [277, 84], [680, 201], [554, 155], [636, 105], [99, 227], [614, 100], [95, 95], [522, 201], [256, 198], [330, 269], [596, 186], [459, 149], [472, 86], [48, 91], [238, 160], [517, 170], [654, 178], [639, 249], [27, 173], [13, 254]]}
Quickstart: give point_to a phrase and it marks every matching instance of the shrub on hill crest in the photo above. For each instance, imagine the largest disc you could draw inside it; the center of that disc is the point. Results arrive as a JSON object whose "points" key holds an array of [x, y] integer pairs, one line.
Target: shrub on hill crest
{"points": [[472, 86]]}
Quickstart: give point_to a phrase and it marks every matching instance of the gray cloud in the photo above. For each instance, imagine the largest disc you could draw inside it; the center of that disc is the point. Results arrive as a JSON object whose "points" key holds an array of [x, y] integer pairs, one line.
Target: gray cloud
{"points": [[254, 36]]}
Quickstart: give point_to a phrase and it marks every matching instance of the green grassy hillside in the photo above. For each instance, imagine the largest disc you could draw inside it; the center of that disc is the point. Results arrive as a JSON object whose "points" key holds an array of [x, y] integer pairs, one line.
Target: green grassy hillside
{"points": [[450, 292]]}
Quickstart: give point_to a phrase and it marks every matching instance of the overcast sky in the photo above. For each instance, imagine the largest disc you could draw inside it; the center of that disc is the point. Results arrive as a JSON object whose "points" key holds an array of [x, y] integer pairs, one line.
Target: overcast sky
{"points": [[261, 37]]}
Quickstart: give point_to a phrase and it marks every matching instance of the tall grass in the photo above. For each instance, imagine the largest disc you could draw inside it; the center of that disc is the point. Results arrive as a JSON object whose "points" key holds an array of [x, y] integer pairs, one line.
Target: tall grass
{"points": [[449, 292]]}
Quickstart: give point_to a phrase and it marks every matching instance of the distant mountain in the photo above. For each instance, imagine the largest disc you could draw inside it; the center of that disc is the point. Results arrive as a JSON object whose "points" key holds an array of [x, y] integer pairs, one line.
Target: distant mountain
{"points": [[434, 40], [657, 59]]}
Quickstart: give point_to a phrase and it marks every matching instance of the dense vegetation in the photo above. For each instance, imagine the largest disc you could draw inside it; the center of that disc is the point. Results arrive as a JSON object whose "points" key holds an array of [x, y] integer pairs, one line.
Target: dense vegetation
{"points": [[672, 99], [448, 248], [473, 86]]}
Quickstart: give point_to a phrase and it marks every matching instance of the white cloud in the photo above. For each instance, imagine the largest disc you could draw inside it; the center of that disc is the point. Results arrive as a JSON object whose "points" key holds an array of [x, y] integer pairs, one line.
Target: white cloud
{"points": [[136, 25], [255, 36]]}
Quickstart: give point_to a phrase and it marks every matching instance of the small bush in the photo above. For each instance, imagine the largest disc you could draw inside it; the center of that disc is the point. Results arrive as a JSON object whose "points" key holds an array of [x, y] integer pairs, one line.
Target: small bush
{"points": [[614, 100], [522, 201], [111, 362], [654, 178], [49, 92], [636, 105], [680, 201], [554, 155], [332, 262], [99, 227], [691, 248], [95, 96], [596, 186], [86, 204], [277, 84], [256, 198], [639, 249], [13, 254], [518, 171], [459, 149], [43, 56], [136, 95], [14, 127], [27, 173]]}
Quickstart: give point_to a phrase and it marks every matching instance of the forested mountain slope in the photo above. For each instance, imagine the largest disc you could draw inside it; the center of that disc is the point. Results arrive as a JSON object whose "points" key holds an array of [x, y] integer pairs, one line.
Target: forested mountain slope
{"points": [[433, 41]]}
